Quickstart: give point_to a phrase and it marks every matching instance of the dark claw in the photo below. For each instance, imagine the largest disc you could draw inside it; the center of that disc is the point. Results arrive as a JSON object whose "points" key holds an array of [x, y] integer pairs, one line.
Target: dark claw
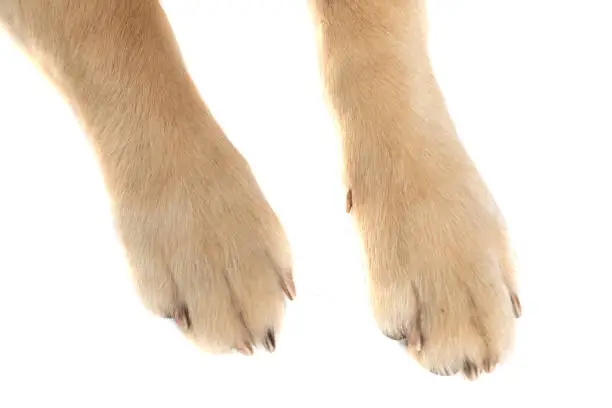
{"points": [[470, 370], [516, 305], [349, 201], [269, 342]]}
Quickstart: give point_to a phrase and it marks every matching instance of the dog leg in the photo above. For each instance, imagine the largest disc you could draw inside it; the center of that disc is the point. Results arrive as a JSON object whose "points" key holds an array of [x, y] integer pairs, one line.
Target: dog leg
{"points": [[440, 270], [205, 247]]}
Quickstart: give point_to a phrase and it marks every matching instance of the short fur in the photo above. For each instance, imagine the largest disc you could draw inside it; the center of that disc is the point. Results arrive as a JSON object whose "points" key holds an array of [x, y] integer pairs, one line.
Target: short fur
{"points": [[204, 245]]}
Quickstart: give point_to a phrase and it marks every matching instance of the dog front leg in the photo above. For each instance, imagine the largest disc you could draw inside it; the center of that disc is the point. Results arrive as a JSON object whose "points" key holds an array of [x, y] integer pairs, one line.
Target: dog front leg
{"points": [[205, 247], [440, 271]]}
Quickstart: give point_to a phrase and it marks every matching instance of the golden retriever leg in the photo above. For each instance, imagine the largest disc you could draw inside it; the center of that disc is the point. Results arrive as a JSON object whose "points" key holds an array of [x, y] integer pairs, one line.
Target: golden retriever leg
{"points": [[440, 271], [205, 247]]}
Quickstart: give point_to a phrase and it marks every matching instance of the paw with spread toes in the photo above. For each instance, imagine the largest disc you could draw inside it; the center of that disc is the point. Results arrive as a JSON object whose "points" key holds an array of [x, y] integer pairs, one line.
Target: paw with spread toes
{"points": [[440, 271], [205, 248]]}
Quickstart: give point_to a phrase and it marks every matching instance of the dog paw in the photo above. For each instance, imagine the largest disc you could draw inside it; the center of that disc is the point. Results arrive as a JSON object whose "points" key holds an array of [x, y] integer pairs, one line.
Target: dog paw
{"points": [[205, 248], [440, 269]]}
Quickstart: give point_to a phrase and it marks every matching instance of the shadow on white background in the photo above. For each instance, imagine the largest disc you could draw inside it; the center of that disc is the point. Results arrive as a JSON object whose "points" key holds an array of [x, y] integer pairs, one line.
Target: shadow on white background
{"points": [[528, 84]]}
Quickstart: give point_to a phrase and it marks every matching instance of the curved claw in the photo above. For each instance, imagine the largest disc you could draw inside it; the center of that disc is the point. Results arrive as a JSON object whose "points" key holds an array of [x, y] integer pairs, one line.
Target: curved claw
{"points": [[269, 341], [349, 201], [516, 305]]}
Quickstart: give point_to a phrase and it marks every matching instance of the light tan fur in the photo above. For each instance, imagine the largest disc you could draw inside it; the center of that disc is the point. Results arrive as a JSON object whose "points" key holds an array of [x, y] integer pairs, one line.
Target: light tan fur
{"points": [[204, 245]]}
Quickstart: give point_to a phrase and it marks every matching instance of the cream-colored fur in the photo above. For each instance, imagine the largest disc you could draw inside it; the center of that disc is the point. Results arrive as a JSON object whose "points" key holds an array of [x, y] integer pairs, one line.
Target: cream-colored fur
{"points": [[205, 247]]}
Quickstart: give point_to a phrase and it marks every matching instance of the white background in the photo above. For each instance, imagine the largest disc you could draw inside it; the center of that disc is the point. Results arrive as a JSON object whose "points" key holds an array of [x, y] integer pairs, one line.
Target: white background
{"points": [[529, 86]]}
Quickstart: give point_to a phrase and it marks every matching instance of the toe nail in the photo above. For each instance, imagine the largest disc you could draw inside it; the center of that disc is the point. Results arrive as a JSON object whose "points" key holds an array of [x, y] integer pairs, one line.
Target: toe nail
{"points": [[516, 305], [289, 287], [470, 371], [489, 366], [269, 341], [349, 201], [246, 349]]}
